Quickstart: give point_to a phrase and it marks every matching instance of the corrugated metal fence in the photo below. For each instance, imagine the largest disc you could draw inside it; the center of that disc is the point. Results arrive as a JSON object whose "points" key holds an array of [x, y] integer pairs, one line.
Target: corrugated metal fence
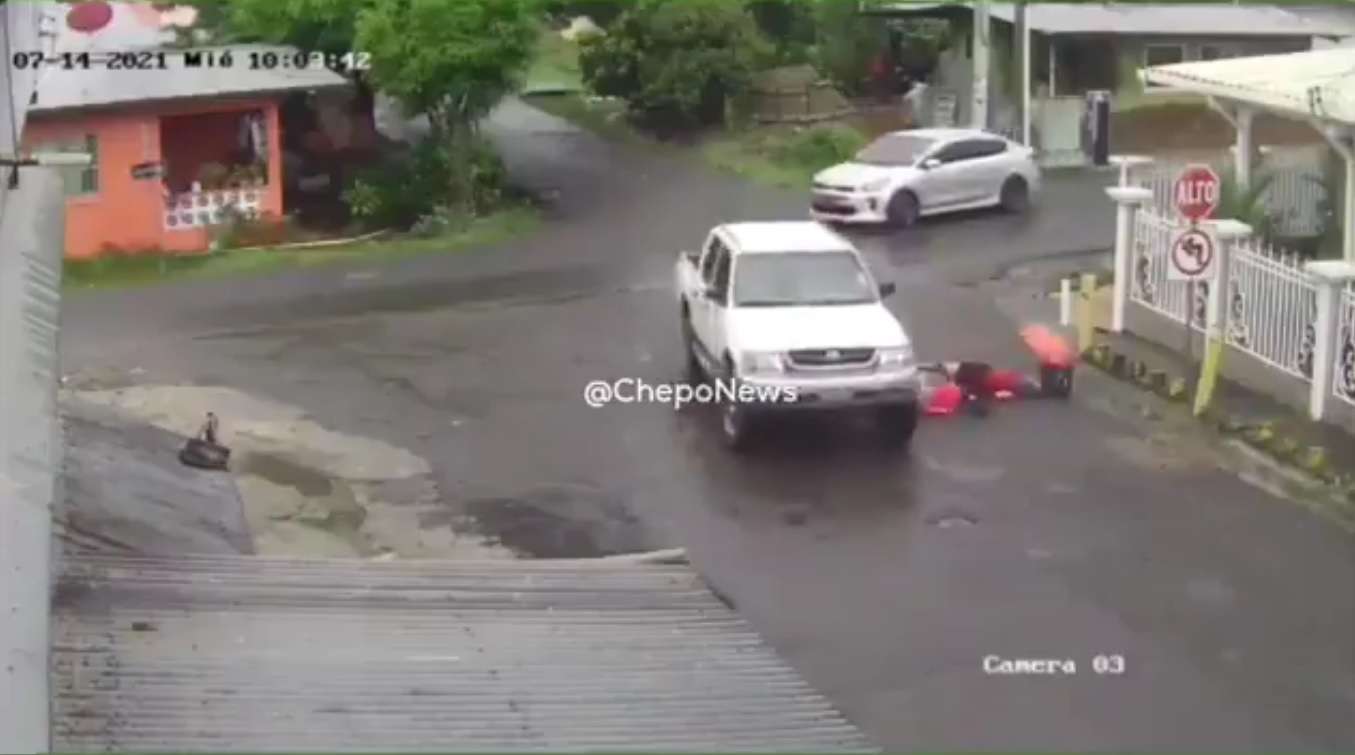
{"points": [[31, 223]]}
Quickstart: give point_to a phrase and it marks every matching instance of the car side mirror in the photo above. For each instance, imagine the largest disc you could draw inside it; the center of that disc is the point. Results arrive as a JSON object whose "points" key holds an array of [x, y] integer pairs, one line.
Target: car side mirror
{"points": [[931, 163], [888, 289]]}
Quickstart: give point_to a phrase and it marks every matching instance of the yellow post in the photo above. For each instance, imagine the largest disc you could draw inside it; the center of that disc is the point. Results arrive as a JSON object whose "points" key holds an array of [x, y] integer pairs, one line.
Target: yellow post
{"points": [[1085, 321], [1209, 374]]}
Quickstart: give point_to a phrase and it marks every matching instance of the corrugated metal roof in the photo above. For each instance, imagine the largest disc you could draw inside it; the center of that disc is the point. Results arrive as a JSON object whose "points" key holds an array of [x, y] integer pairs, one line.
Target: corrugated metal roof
{"points": [[265, 654], [101, 86], [1183, 19], [1318, 83]]}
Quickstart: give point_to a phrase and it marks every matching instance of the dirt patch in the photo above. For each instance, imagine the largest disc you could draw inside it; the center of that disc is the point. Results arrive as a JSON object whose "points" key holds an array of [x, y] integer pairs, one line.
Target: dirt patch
{"points": [[1175, 126]]}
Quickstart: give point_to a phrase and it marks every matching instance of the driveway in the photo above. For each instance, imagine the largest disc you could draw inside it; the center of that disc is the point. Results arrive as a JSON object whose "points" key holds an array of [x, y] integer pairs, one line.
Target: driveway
{"points": [[1060, 531]]}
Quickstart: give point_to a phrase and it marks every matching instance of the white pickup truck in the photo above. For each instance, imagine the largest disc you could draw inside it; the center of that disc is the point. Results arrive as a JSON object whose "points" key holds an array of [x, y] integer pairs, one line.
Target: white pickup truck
{"points": [[793, 305]]}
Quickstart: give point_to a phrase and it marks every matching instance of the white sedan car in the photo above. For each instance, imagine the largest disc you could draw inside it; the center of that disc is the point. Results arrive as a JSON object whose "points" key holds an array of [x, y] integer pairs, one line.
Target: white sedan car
{"points": [[905, 175]]}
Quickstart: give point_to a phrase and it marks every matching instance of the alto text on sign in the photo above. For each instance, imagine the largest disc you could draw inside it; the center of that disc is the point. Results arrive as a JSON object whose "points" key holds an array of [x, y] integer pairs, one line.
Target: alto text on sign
{"points": [[1193, 256], [1196, 192]]}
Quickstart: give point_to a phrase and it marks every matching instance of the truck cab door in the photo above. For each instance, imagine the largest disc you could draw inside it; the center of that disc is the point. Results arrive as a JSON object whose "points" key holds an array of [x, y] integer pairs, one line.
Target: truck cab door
{"points": [[718, 302], [700, 305]]}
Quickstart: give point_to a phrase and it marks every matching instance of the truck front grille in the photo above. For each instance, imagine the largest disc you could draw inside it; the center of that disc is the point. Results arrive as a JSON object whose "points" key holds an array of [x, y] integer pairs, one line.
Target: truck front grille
{"points": [[853, 357]]}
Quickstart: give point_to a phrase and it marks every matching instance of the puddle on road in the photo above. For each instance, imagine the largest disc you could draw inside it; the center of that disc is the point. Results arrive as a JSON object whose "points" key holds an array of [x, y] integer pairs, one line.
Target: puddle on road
{"points": [[557, 522]]}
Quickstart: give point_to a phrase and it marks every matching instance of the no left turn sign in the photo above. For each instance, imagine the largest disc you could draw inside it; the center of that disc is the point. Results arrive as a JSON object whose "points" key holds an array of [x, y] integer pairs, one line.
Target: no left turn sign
{"points": [[1193, 255]]}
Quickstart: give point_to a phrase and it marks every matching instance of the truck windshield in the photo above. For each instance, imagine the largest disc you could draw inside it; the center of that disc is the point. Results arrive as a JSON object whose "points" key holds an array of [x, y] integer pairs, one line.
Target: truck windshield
{"points": [[800, 279], [894, 149]]}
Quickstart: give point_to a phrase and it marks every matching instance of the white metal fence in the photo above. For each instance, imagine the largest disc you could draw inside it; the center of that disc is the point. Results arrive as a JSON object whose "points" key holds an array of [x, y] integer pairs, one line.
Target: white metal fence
{"points": [[1296, 197], [1343, 381], [1272, 301]]}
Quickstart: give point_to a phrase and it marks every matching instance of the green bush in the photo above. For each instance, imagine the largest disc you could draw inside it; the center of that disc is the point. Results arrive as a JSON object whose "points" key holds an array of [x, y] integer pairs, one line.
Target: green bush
{"points": [[414, 184], [674, 62], [819, 147]]}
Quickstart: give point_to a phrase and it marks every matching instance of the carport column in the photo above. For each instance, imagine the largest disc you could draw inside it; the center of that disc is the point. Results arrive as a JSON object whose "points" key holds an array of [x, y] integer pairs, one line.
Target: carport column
{"points": [[1127, 201], [1343, 141], [1242, 122], [1331, 277], [978, 113]]}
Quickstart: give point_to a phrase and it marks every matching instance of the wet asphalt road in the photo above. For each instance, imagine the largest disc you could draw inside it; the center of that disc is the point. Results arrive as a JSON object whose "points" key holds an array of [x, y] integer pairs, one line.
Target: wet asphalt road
{"points": [[1089, 534]]}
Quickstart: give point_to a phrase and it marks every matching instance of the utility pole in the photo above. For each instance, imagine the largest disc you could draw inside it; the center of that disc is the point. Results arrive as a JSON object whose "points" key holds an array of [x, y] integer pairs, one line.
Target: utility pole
{"points": [[1022, 66], [978, 113]]}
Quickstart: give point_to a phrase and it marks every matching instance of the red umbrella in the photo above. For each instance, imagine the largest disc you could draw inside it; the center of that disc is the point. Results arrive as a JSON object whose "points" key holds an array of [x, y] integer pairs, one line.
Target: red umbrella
{"points": [[1049, 348], [89, 17]]}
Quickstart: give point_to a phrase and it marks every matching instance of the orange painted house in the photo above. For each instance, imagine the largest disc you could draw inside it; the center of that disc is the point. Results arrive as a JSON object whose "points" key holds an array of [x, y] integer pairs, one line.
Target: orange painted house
{"points": [[174, 147]]}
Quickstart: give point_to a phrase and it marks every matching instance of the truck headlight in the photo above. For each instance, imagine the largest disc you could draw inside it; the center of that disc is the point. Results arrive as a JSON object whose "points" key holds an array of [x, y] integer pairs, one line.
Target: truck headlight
{"points": [[897, 359], [876, 185], [754, 362]]}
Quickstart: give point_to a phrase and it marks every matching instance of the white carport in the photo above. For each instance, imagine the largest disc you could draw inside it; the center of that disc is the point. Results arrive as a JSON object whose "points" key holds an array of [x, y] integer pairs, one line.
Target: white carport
{"points": [[1316, 86]]}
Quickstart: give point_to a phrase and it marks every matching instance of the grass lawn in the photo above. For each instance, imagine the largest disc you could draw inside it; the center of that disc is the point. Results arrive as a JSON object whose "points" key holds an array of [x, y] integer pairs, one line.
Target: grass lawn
{"points": [[148, 269], [556, 67], [782, 156]]}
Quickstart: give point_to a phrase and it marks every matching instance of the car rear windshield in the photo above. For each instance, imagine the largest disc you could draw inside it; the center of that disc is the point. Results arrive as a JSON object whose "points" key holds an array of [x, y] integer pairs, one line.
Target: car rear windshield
{"points": [[895, 149], [801, 279]]}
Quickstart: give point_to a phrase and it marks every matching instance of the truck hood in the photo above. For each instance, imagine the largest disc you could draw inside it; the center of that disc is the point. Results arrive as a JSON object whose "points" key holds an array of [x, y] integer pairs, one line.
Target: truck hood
{"points": [[786, 328], [855, 175]]}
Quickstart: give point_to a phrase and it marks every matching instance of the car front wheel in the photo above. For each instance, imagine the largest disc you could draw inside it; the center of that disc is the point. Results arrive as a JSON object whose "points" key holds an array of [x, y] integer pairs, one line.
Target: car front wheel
{"points": [[902, 209]]}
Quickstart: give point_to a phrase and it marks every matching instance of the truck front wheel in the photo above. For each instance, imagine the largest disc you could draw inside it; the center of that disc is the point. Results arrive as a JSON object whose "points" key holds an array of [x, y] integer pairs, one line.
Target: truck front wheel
{"points": [[692, 368], [898, 424]]}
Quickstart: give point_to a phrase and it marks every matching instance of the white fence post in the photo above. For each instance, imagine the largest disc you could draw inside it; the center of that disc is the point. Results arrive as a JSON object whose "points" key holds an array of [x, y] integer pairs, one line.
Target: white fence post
{"points": [[1127, 200], [1331, 277], [1229, 233]]}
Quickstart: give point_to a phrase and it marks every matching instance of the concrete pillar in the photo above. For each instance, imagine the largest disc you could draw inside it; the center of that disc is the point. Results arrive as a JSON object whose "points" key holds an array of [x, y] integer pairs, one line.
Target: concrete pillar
{"points": [[1022, 32], [1331, 276], [1348, 219], [978, 112], [1127, 200]]}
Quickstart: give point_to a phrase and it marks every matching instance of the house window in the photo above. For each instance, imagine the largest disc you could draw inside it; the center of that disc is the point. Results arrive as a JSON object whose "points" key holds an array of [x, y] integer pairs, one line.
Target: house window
{"points": [[78, 180], [1163, 55], [1212, 52]]}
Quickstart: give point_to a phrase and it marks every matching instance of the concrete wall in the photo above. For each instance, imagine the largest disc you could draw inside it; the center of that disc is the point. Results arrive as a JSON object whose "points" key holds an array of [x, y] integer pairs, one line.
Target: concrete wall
{"points": [[30, 446], [1238, 366]]}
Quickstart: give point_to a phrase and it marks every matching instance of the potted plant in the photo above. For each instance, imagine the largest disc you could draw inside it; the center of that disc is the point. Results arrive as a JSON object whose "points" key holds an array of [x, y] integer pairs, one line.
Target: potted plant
{"points": [[213, 176]]}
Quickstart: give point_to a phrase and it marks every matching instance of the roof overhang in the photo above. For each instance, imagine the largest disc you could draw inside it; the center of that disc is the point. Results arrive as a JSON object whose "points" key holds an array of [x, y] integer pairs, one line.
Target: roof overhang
{"points": [[1145, 19], [1315, 85]]}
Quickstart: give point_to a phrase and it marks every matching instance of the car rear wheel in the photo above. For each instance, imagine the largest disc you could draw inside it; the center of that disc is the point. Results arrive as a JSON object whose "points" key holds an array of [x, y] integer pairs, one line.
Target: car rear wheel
{"points": [[1015, 195], [898, 424], [902, 210]]}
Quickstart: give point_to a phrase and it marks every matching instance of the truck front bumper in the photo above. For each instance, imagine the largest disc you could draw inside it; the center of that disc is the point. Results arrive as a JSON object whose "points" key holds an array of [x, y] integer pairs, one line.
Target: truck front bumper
{"points": [[798, 392]]}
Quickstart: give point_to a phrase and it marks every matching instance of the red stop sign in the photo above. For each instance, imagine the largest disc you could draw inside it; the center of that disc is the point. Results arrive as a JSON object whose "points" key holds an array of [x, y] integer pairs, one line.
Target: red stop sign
{"points": [[1196, 193]]}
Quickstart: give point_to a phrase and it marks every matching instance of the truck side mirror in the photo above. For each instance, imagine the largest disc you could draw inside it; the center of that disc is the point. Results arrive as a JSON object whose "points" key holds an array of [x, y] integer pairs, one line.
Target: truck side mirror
{"points": [[888, 289]]}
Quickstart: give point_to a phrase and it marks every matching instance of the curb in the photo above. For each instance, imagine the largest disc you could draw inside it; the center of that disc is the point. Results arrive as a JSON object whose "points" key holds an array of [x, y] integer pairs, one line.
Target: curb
{"points": [[1261, 437]]}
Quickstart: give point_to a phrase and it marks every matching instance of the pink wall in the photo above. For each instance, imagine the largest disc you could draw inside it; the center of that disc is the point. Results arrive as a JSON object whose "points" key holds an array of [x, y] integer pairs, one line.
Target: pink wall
{"points": [[127, 213]]}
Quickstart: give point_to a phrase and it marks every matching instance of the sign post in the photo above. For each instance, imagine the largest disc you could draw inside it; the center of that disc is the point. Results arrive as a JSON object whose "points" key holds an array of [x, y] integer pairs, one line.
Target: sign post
{"points": [[1194, 259]]}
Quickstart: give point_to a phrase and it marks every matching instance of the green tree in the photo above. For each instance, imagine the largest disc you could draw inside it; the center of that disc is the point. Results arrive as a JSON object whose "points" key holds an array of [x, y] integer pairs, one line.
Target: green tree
{"points": [[675, 62], [452, 61], [312, 25], [847, 41]]}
